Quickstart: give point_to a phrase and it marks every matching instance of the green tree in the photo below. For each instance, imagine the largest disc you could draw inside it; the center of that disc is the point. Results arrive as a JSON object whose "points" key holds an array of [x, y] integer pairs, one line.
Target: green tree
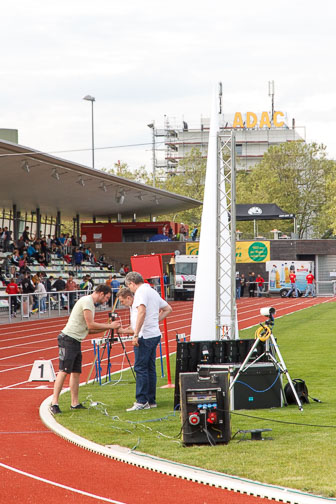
{"points": [[296, 176], [187, 181], [122, 170]]}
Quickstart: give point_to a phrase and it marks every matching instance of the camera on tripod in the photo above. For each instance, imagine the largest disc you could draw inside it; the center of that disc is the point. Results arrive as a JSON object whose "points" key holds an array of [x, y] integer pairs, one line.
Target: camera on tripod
{"points": [[267, 311]]}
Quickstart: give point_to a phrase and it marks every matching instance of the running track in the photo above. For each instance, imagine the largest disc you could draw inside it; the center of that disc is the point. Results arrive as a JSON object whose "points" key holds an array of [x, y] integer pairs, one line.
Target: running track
{"points": [[38, 466]]}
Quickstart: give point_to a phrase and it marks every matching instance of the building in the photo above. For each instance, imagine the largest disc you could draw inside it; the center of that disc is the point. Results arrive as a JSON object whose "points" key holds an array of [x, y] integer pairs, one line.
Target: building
{"points": [[255, 133]]}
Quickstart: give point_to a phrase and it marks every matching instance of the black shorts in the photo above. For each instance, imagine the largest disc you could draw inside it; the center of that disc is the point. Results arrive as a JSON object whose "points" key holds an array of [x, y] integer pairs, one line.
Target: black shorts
{"points": [[70, 354]]}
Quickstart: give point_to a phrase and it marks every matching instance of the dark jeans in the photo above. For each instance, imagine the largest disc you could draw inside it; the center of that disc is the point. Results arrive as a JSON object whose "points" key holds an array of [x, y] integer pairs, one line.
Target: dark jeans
{"points": [[144, 366]]}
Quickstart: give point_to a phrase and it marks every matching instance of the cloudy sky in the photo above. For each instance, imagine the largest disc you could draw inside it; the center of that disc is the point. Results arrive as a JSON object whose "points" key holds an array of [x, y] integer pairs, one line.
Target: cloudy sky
{"points": [[143, 60]]}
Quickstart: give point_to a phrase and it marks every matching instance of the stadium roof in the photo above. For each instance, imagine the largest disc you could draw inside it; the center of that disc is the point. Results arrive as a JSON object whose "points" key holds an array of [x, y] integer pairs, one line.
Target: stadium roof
{"points": [[31, 179]]}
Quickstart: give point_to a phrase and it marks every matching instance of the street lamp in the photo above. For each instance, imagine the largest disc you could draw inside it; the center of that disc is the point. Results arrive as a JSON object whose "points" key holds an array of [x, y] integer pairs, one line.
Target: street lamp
{"points": [[152, 127], [91, 99]]}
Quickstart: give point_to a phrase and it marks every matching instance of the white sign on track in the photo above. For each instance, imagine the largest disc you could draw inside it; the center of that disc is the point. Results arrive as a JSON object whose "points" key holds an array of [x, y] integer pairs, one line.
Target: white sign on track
{"points": [[42, 370]]}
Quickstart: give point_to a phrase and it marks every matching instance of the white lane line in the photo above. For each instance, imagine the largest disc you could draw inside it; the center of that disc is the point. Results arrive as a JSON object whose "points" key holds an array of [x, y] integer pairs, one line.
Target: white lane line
{"points": [[53, 483]]}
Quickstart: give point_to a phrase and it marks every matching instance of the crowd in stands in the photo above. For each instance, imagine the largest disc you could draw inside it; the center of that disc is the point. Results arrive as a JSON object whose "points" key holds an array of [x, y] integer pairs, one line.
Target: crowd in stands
{"points": [[18, 278]]}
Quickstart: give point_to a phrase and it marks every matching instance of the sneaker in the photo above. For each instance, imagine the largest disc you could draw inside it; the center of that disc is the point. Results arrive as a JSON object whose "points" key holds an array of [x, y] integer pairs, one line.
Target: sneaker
{"points": [[35, 310], [54, 409], [153, 405], [79, 406], [138, 406]]}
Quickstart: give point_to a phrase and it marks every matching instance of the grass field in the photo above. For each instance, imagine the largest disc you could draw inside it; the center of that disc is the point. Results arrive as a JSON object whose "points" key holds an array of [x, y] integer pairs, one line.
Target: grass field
{"points": [[301, 453]]}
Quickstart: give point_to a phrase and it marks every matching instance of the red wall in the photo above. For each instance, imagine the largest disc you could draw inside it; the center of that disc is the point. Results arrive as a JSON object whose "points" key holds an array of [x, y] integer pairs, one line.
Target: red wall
{"points": [[112, 231]]}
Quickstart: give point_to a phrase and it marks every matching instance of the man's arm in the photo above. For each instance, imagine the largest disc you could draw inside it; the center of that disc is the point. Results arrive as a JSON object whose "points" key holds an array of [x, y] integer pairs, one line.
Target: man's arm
{"points": [[95, 327], [164, 312], [140, 319]]}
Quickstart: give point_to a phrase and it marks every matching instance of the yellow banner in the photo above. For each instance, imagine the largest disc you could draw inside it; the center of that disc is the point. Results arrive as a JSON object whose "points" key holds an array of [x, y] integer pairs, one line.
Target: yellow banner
{"points": [[253, 252], [246, 252], [192, 248]]}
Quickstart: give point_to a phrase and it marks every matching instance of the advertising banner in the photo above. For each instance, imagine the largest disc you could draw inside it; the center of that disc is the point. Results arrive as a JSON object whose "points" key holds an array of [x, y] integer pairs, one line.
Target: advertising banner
{"points": [[252, 252], [279, 271], [246, 252]]}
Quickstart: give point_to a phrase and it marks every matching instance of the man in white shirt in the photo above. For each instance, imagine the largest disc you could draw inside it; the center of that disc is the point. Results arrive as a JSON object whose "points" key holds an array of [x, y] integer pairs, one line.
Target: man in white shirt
{"points": [[151, 310], [80, 323]]}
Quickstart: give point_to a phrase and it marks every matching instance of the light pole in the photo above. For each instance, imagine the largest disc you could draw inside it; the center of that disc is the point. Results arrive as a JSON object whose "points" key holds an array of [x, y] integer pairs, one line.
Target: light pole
{"points": [[91, 99], [152, 127]]}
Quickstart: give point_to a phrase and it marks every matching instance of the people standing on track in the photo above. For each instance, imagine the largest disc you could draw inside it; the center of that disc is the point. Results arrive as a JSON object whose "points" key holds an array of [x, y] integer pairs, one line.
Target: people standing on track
{"points": [[310, 285], [151, 310], [80, 324], [242, 284], [238, 285], [260, 285], [292, 278], [252, 284]]}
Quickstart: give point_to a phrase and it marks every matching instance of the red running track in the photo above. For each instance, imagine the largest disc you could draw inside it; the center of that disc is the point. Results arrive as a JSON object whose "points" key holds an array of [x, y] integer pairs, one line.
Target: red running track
{"points": [[38, 466]]}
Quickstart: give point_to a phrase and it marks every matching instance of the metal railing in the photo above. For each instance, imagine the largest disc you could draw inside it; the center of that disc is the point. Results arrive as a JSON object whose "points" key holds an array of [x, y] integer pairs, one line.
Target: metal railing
{"points": [[38, 306]]}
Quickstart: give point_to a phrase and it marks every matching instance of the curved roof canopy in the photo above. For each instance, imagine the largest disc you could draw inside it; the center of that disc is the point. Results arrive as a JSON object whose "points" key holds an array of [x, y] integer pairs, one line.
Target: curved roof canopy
{"points": [[31, 179]]}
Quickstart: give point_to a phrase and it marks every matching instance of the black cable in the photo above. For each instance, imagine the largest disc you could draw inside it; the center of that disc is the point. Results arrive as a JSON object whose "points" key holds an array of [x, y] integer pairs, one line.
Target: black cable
{"points": [[282, 421]]}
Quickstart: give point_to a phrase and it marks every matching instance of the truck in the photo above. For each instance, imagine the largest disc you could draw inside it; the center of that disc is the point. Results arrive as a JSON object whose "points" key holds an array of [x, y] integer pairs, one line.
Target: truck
{"points": [[182, 276]]}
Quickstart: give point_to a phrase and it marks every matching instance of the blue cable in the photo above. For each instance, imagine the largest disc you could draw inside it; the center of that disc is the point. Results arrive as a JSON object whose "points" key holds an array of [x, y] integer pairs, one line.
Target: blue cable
{"points": [[260, 391]]}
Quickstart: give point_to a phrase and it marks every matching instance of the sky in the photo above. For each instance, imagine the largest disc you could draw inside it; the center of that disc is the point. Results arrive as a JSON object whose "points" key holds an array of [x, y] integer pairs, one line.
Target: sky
{"points": [[146, 60]]}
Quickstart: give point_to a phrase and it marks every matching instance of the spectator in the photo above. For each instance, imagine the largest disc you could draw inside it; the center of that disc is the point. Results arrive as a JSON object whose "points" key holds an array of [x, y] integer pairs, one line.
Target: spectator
{"points": [[260, 284], [25, 235], [238, 285], [87, 283], [194, 234], [126, 269], [59, 285], [115, 286], [41, 294], [27, 288], [71, 286], [122, 270], [77, 259], [252, 284], [6, 237], [12, 289], [242, 284]]}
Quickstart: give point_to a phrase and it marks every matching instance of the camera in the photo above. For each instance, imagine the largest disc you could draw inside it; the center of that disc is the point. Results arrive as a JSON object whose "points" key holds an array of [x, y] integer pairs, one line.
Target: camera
{"points": [[267, 311]]}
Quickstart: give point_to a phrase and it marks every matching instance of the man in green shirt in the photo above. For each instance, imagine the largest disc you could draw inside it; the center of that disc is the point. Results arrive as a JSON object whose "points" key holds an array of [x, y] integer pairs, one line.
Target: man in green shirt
{"points": [[80, 324]]}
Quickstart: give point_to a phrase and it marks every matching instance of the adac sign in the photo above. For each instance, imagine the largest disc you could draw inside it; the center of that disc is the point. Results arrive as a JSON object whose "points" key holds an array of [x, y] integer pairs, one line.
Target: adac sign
{"points": [[264, 120]]}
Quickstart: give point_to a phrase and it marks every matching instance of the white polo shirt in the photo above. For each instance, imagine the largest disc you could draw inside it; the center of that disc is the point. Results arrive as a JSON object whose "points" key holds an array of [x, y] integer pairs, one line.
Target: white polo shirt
{"points": [[148, 297]]}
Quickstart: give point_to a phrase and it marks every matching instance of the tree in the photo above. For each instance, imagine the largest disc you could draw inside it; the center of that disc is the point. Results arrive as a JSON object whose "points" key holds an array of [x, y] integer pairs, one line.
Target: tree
{"points": [[296, 176], [122, 170], [188, 181]]}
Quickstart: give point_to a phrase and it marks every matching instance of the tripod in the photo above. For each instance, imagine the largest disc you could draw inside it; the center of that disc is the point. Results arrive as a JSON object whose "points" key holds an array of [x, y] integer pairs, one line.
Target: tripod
{"points": [[272, 352], [107, 340]]}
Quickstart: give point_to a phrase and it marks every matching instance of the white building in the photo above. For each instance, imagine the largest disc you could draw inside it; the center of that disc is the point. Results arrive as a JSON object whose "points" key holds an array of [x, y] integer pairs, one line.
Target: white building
{"points": [[255, 133]]}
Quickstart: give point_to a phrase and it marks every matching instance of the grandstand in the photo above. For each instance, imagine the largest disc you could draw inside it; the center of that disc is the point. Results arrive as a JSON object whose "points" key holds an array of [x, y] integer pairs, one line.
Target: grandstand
{"points": [[57, 267]]}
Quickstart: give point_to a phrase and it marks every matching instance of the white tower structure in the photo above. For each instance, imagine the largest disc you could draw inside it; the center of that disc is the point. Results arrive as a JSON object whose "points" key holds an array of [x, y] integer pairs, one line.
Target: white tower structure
{"points": [[214, 315]]}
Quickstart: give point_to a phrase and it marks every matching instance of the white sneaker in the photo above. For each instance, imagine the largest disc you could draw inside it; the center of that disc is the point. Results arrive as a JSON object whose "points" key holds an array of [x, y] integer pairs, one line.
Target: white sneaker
{"points": [[138, 406], [153, 405]]}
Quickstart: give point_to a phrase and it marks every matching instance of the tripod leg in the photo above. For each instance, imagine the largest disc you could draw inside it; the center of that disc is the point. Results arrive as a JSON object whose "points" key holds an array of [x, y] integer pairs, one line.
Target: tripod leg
{"points": [[244, 363], [126, 355], [285, 371]]}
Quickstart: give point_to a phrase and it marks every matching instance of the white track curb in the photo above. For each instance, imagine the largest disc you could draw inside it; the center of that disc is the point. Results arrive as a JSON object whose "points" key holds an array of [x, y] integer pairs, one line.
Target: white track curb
{"points": [[191, 473]]}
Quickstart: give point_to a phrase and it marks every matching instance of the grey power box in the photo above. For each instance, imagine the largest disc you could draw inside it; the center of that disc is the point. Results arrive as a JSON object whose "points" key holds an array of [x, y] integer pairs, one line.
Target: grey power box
{"points": [[205, 408]]}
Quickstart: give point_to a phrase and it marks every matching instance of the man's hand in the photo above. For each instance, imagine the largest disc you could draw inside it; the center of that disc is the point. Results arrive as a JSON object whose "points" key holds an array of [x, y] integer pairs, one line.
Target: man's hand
{"points": [[135, 341], [115, 325]]}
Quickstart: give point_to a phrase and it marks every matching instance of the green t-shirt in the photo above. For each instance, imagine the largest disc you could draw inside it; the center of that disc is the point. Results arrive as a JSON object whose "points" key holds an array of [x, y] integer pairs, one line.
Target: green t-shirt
{"points": [[76, 327]]}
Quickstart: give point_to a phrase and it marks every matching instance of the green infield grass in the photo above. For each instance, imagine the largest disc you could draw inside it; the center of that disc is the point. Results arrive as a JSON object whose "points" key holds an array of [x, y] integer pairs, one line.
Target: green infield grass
{"points": [[301, 452]]}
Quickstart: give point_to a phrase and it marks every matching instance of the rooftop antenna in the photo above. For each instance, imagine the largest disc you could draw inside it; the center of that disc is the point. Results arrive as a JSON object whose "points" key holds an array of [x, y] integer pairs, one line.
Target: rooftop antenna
{"points": [[220, 94], [271, 93]]}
